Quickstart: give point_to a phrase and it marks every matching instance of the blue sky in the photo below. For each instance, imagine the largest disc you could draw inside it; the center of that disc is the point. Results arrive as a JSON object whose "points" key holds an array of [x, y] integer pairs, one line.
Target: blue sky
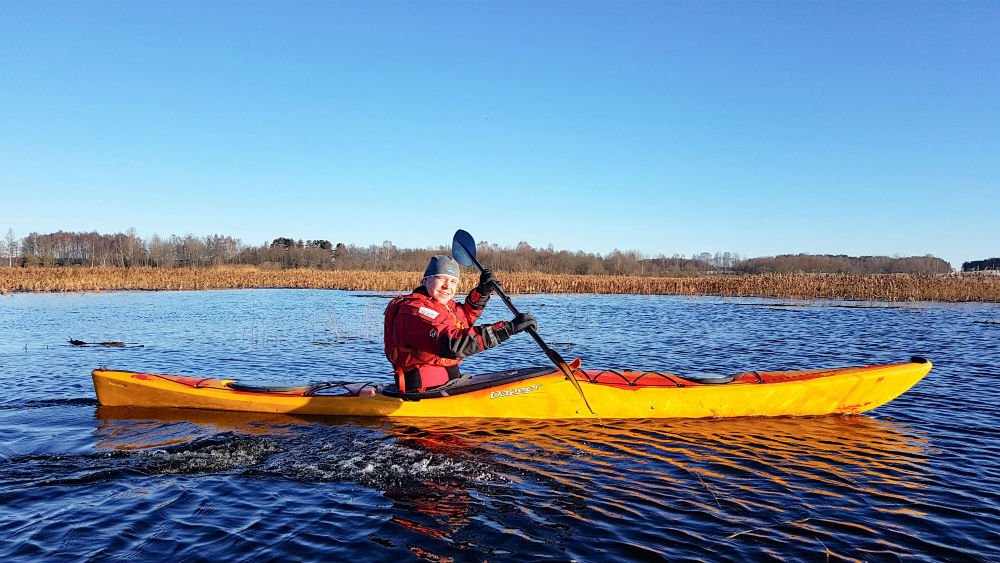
{"points": [[861, 128]]}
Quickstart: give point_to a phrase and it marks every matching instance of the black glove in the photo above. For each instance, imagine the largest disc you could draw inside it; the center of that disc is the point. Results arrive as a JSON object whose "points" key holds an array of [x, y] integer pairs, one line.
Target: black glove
{"points": [[497, 333], [522, 322], [487, 283], [481, 295]]}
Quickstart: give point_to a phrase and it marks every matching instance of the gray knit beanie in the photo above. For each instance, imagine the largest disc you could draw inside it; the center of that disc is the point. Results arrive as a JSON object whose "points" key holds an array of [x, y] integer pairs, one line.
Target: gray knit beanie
{"points": [[442, 265]]}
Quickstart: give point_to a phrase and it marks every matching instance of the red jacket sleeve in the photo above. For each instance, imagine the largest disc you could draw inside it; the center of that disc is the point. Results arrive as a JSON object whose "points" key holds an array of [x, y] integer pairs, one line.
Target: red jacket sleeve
{"points": [[442, 336], [472, 313]]}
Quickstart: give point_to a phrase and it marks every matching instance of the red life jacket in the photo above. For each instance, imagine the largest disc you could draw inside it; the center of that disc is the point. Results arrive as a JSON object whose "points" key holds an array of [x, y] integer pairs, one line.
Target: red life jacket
{"points": [[414, 327]]}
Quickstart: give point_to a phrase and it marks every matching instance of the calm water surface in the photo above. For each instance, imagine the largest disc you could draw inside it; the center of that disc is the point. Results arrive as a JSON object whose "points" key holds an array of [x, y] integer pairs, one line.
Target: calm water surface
{"points": [[916, 479]]}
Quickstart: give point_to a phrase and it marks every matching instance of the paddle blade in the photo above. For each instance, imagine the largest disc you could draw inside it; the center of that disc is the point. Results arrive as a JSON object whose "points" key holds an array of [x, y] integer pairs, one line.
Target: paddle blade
{"points": [[567, 370], [463, 248]]}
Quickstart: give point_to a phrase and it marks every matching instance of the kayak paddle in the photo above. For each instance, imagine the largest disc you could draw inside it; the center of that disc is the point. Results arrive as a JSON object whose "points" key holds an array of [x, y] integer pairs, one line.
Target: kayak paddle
{"points": [[463, 249]]}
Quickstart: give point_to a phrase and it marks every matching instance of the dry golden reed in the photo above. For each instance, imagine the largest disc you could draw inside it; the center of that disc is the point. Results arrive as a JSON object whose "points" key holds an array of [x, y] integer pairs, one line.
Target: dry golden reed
{"points": [[881, 287]]}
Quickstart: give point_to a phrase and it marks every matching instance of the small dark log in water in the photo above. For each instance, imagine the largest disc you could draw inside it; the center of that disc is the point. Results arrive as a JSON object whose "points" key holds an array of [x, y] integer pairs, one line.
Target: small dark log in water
{"points": [[114, 344]]}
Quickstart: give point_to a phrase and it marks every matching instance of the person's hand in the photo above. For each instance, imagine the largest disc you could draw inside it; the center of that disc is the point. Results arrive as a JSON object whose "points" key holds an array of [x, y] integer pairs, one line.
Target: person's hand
{"points": [[499, 332], [523, 322], [487, 282], [480, 296]]}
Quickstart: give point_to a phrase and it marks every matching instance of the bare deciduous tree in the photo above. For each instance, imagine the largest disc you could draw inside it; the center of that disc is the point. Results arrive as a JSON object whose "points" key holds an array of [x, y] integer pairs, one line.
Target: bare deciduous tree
{"points": [[9, 247]]}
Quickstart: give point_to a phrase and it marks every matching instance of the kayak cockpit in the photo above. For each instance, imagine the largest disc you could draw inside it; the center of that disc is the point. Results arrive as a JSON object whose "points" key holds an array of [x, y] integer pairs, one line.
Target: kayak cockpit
{"points": [[464, 384], [469, 383]]}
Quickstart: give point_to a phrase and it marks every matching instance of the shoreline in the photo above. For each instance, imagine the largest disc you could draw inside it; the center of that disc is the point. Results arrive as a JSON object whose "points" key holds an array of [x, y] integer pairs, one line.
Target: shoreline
{"points": [[954, 288]]}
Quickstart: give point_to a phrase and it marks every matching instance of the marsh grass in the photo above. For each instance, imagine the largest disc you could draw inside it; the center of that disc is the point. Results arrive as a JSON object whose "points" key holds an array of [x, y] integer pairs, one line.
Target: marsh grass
{"points": [[880, 287]]}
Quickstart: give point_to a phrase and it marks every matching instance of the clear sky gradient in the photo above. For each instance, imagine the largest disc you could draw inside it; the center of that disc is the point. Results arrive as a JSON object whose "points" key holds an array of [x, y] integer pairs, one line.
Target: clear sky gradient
{"points": [[861, 128]]}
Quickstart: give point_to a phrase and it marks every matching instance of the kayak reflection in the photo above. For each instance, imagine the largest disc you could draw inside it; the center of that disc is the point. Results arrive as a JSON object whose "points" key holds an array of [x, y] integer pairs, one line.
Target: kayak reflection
{"points": [[829, 443], [138, 428], [729, 475], [739, 453], [575, 452], [447, 478]]}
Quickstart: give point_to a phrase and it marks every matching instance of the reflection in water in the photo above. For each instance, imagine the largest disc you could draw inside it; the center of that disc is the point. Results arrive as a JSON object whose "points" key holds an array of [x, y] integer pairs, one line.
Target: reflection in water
{"points": [[131, 428], [765, 483]]}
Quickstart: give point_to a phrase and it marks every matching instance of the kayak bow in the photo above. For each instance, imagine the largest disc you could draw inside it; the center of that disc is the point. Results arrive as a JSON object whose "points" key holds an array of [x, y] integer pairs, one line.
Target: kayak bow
{"points": [[537, 393]]}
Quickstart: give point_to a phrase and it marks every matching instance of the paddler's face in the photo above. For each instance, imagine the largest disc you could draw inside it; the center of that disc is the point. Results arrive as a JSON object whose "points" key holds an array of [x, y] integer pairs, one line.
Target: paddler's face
{"points": [[441, 288]]}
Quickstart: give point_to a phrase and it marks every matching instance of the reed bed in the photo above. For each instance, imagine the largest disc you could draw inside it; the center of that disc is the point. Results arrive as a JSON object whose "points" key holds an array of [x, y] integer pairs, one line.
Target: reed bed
{"points": [[883, 287]]}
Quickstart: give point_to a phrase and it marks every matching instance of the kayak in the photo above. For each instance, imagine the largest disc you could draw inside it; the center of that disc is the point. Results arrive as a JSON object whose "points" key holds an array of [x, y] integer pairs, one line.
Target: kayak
{"points": [[537, 393]]}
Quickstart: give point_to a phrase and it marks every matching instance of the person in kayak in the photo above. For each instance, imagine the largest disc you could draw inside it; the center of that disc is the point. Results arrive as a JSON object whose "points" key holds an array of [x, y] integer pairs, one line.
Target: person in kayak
{"points": [[427, 333]]}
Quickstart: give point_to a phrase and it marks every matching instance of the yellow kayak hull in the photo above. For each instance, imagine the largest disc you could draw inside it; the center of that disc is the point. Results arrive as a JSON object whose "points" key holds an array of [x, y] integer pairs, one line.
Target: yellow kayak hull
{"points": [[849, 390]]}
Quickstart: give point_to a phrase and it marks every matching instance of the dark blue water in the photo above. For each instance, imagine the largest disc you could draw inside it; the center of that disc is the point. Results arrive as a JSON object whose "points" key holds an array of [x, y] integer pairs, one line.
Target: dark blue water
{"points": [[916, 479]]}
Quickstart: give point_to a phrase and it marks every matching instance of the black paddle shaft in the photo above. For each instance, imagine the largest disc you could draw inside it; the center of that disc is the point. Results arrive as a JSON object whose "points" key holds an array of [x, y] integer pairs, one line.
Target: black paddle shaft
{"points": [[553, 356], [510, 305]]}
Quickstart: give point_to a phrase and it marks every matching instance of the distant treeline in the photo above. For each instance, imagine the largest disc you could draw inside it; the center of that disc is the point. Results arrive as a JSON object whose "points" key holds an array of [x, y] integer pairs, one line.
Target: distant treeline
{"points": [[980, 265], [127, 250], [841, 264]]}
